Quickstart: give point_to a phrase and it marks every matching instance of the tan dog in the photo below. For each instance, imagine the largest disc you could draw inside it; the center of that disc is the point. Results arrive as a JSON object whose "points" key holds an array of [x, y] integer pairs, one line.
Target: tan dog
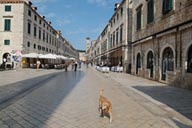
{"points": [[105, 106]]}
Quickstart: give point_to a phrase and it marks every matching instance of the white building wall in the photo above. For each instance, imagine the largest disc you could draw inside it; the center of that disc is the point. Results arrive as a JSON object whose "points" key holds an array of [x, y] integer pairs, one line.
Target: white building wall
{"points": [[19, 36], [16, 34]]}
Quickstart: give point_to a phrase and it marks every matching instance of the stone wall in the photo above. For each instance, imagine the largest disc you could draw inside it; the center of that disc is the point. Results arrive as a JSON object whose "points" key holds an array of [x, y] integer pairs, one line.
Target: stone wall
{"points": [[173, 30]]}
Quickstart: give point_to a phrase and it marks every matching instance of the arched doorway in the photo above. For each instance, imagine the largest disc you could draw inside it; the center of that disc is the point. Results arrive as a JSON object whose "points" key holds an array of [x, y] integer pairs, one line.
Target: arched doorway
{"points": [[121, 61], [150, 63], [6, 57], [167, 62], [189, 60], [138, 63], [6, 61]]}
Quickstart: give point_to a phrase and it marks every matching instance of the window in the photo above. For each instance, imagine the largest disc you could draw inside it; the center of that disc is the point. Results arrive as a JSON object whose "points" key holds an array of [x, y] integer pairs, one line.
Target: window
{"points": [[35, 31], [43, 48], [7, 8], [167, 6], [121, 11], [138, 60], [168, 59], [189, 60], [121, 33], [47, 38], [29, 28], [39, 33], [50, 39], [28, 44], [35, 17], [149, 59], [7, 26], [117, 36], [39, 47], [6, 42], [34, 46], [139, 18], [150, 11], [43, 35], [29, 12], [113, 38], [138, 63]]}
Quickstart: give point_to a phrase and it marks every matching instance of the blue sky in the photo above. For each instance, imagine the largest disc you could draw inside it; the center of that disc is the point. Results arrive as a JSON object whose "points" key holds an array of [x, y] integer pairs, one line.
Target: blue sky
{"points": [[77, 19]]}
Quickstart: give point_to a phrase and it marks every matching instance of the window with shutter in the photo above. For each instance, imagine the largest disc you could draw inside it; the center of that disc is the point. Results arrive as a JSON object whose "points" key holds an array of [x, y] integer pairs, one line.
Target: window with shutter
{"points": [[7, 8], [29, 28], [7, 25], [167, 6], [150, 13], [6, 42], [139, 19]]}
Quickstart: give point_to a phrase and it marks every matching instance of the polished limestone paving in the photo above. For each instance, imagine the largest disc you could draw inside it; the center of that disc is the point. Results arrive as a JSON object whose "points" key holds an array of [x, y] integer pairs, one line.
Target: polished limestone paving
{"points": [[59, 99]]}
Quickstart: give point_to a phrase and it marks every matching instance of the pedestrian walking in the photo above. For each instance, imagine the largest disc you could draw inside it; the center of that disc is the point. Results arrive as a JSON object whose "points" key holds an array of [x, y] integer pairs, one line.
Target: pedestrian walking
{"points": [[38, 64], [66, 66], [75, 66], [87, 63]]}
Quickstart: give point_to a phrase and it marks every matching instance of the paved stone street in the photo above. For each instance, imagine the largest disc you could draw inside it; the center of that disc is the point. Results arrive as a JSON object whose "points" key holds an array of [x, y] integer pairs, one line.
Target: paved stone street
{"points": [[70, 100], [167, 97], [14, 82]]}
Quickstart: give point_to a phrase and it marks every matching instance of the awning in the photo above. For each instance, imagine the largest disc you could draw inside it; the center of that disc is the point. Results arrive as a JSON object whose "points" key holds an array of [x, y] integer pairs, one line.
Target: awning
{"points": [[47, 56], [72, 58], [62, 57], [30, 55]]}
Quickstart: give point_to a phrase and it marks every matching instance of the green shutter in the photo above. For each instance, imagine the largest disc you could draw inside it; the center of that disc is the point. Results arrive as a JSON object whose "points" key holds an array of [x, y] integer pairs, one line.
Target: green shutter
{"points": [[7, 8], [150, 15], [7, 26], [138, 19], [6, 42], [167, 6], [152, 10], [164, 5], [148, 12], [170, 5], [29, 28]]}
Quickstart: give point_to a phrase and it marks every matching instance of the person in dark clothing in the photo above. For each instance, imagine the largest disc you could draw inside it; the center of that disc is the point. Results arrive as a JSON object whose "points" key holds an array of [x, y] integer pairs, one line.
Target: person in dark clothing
{"points": [[75, 66]]}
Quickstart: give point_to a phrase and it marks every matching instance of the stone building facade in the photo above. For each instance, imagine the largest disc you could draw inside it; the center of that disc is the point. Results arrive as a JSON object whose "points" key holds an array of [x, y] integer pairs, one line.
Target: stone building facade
{"points": [[113, 44], [162, 41], [23, 30]]}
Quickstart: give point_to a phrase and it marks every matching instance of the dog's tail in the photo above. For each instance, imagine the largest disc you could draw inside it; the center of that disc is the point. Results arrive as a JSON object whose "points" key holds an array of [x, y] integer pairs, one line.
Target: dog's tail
{"points": [[101, 92]]}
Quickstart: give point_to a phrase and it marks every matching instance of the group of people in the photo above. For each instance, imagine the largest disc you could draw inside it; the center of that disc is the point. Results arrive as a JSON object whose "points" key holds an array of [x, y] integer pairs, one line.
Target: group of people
{"points": [[75, 64]]}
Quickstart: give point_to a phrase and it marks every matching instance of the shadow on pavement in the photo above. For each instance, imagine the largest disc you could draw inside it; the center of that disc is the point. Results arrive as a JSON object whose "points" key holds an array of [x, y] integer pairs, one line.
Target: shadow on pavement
{"points": [[178, 99], [10, 91], [181, 125], [44, 95]]}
